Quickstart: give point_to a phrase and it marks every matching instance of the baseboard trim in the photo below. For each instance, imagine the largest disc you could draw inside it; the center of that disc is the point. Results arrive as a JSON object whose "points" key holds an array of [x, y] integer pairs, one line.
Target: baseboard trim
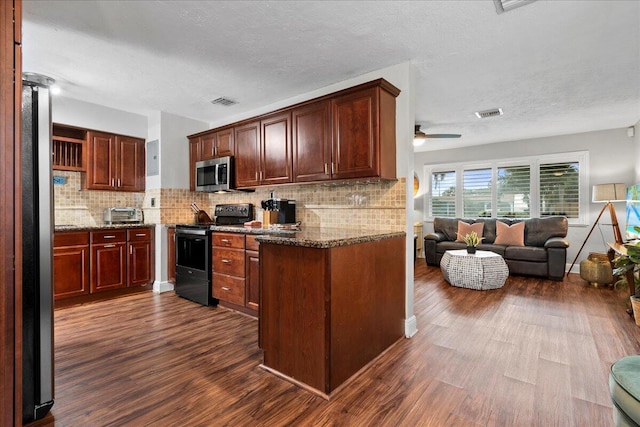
{"points": [[160, 287], [410, 326]]}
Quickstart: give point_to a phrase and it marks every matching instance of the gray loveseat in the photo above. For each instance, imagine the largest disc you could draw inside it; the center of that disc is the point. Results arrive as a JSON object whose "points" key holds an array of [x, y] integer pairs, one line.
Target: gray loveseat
{"points": [[544, 253]]}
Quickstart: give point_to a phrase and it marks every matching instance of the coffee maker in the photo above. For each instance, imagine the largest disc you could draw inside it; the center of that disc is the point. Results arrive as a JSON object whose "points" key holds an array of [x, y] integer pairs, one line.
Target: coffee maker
{"points": [[286, 211]]}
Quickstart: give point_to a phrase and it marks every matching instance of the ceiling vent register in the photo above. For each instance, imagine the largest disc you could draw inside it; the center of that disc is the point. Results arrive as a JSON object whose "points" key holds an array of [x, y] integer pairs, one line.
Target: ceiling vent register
{"points": [[223, 101], [489, 113], [507, 5]]}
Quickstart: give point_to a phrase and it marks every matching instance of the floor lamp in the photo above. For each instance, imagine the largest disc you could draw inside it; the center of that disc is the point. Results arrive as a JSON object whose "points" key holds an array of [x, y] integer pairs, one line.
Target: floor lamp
{"points": [[607, 193]]}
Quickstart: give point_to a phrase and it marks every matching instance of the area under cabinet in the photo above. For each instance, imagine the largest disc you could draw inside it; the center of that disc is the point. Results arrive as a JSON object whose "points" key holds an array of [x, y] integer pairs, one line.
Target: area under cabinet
{"points": [[102, 261]]}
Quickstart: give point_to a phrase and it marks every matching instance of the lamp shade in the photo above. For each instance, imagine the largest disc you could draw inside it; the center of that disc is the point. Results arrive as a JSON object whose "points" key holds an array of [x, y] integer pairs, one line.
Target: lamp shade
{"points": [[609, 193]]}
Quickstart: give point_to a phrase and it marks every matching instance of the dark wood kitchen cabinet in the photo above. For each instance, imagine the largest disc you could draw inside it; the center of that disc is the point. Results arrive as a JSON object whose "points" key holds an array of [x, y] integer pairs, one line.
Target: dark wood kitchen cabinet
{"points": [[264, 158], [217, 144], [102, 262], [171, 255], [311, 127], [350, 134], [252, 279], [209, 145], [115, 162], [247, 161], [140, 265], [108, 260], [228, 268], [364, 133], [70, 264]]}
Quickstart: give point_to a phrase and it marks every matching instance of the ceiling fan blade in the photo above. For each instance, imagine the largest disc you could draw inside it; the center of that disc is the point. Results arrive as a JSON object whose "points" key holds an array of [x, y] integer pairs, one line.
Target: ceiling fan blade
{"points": [[442, 135]]}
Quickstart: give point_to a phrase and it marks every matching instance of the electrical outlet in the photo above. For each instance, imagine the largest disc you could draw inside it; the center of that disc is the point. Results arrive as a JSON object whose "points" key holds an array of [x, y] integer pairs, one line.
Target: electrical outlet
{"points": [[153, 201]]}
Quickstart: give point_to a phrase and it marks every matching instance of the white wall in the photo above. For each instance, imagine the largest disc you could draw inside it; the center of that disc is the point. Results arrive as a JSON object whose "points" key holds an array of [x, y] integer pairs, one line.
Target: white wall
{"points": [[636, 142], [174, 149], [72, 112], [612, 158]]}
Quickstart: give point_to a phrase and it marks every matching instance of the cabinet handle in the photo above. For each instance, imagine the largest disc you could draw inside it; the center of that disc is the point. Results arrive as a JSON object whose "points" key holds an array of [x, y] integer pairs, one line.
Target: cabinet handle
{"points": [[224, 240], [256, 175], [109, 237], [113, 182], [109, 246], [226, 288], [215, 151], [332, 168], [140, 234], [119, 183], [226, 261], [130, 250], [326, 169]]}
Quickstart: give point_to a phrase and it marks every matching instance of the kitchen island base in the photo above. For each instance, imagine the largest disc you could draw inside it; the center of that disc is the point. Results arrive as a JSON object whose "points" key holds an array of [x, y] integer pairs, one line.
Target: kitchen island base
{"points": [[325, 313]]}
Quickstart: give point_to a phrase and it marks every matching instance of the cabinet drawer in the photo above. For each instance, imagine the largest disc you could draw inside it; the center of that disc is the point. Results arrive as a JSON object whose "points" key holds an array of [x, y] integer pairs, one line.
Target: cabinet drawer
{"points": [[228, 240], [109, 236], [252, 243], [73, 238], [228, 261], [228, 288], [139, 235]]}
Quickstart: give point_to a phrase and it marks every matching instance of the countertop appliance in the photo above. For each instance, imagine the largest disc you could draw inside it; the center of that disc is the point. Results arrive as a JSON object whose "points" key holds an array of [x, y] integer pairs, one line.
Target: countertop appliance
{"points": [[123, 216], [286, 209], [37, 249], [215, 175], [194, 256]]}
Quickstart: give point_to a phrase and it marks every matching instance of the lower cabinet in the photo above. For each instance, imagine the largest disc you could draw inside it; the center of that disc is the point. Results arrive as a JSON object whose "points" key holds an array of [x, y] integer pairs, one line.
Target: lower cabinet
{"points": [[108, 260], [70, 264], [171, 255], [235, 271], [91, 262], [252, 263], [141, 250]]}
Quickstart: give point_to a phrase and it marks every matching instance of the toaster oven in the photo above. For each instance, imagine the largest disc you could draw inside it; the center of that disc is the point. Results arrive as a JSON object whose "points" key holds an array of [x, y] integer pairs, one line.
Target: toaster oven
{"points": [[123, 216]]}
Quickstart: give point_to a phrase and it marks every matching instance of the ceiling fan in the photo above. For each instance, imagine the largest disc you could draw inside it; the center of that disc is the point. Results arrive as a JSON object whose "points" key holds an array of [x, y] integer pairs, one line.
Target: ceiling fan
{"points": [[420, 137]]}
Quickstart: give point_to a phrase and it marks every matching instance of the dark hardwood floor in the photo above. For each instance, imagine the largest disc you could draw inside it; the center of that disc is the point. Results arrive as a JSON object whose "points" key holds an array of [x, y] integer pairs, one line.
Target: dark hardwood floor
{"points": [[534, 353]]}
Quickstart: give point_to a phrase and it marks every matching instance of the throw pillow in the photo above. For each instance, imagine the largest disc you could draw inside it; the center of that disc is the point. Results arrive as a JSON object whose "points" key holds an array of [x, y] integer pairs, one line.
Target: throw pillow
{"points": [[464, 229], [509, 235]]}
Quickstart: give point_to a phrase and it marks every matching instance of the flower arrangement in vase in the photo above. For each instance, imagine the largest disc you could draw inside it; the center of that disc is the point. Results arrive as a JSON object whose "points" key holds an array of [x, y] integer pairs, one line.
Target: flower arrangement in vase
{"points": [[472, 240]]}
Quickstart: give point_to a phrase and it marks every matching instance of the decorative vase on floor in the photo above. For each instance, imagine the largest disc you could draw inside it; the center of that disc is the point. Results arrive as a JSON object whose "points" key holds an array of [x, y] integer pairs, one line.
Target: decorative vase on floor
{"points": [[471, 249]]}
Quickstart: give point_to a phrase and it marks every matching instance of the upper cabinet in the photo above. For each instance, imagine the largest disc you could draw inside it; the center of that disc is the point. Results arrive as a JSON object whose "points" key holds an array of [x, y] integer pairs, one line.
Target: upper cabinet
{"points": [[209, 145], [311, 127], [363, 135], [247, 160], [349, 134], [116, 162], [69, 148]]}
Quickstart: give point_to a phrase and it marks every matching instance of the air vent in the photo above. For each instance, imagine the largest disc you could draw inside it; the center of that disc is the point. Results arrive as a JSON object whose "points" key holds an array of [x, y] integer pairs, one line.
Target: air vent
{"points": [[507, 5], [489, 113], [223, 101]]}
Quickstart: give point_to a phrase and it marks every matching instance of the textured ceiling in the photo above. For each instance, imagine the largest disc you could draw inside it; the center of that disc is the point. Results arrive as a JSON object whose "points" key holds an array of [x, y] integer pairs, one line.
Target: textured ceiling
{"points": [[554, 67]]}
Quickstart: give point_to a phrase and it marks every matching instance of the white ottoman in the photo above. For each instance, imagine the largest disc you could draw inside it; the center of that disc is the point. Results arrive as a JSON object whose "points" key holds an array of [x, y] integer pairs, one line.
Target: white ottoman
{"points": [[482, 270]]}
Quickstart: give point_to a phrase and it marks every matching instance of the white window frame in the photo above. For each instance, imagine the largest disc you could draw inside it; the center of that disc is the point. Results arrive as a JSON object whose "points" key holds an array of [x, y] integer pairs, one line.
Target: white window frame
{"points": [[534, 162]]}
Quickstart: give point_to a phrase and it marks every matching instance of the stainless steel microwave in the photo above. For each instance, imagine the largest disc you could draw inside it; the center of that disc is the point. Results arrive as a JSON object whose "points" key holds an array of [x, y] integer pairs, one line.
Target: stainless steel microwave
{"points": [[215, 175]]}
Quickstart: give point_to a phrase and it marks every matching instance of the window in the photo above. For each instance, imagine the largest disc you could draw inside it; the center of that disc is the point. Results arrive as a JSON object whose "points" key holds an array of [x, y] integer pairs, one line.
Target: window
{"points": [[511, 188], [514, 191], [476, 196], [443, 194]]}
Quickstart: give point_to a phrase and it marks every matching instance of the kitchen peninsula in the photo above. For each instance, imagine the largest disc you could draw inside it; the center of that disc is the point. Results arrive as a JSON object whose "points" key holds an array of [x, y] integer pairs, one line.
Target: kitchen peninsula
{"points": [[331, 301]]}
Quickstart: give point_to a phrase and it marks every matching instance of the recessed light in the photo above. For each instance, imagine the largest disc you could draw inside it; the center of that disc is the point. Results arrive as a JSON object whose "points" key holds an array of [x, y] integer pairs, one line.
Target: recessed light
{"points": [[55, 90]]}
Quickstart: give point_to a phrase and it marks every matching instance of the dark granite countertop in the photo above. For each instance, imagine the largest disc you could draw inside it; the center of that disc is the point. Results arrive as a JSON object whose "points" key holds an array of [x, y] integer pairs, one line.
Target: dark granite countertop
{"points": [[68, 227], [323, 237]]}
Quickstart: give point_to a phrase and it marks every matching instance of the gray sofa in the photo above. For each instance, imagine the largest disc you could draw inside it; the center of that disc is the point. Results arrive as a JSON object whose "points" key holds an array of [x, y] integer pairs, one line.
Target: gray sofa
{"points": [[544, 253]]}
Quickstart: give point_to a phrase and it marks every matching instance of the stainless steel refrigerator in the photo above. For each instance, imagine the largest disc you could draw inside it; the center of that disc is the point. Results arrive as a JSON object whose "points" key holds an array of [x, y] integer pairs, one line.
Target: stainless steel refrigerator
{"points": [[37, 249]]}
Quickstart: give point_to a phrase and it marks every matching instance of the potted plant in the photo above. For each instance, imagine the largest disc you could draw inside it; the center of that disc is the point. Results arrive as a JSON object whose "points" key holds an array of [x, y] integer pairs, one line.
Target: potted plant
{"points": [[472, 240], [624, 263]]}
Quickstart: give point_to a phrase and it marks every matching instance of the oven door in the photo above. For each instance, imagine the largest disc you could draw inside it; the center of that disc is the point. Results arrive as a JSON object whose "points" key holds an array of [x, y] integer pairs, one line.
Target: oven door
{"points": [[193, 249]]}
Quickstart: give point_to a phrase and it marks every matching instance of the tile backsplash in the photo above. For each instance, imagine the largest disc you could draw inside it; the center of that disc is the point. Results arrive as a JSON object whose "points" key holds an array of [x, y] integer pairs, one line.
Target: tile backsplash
{"points": [[373, 206]]}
